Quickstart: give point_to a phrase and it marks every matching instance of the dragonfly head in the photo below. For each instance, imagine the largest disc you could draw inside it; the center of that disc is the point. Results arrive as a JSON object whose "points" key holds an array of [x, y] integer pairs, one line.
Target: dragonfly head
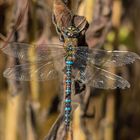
{"points": [[71, 32]]}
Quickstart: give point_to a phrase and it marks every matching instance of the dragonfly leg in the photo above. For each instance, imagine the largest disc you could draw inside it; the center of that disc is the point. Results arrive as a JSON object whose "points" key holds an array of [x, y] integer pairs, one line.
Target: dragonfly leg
{"points": [[79, 86], [61, 38]]}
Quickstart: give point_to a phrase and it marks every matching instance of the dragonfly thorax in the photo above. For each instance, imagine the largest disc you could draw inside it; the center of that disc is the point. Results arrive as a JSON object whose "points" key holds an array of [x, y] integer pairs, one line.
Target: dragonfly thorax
{"points": [[70, 46]]}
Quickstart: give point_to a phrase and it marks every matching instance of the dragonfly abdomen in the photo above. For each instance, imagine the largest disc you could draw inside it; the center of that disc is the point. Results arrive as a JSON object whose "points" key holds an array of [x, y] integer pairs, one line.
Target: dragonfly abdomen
{"points": [[68, 81]]}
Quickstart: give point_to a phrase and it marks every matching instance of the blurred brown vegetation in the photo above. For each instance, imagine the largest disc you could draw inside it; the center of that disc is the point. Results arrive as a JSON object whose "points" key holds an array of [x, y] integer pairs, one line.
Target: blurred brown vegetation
{"points": [[29, 109]]}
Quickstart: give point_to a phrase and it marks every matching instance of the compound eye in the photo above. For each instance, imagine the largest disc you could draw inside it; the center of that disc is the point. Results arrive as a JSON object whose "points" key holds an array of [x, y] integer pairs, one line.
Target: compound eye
{"points": [[73, 29], [68, 33]]}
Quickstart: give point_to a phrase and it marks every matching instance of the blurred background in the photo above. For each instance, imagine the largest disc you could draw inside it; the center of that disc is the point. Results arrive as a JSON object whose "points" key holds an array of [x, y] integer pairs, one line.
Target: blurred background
{"points": [[29, 109]]}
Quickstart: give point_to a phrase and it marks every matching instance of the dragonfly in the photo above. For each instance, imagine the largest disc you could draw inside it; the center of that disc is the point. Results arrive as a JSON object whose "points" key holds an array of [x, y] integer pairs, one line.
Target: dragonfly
{"points": [[81, 63]]}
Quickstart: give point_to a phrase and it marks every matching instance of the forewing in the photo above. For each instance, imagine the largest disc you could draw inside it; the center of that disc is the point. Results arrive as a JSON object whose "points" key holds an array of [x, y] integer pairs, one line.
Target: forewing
{"points": [[107, 58], [28, 52]]}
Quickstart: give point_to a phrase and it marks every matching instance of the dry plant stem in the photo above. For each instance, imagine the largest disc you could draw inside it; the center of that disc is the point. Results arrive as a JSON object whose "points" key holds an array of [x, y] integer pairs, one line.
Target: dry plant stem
{"points": [[32, 53], [33, 106], [62, 14], [12, 111], [101, 23], [13, 103], [12, 116], [58, 131], [89, 6], [111, 99], [2, 57], [15, 106], [17, 23], [75, 5], [31, 134], [110, 117], [21, 36]]}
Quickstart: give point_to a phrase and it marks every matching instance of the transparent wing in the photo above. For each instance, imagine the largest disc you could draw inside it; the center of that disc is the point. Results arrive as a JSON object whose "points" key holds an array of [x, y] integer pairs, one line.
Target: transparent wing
{"points": [[27, 72], [100, 78], [26, 52], [107, 58]]}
